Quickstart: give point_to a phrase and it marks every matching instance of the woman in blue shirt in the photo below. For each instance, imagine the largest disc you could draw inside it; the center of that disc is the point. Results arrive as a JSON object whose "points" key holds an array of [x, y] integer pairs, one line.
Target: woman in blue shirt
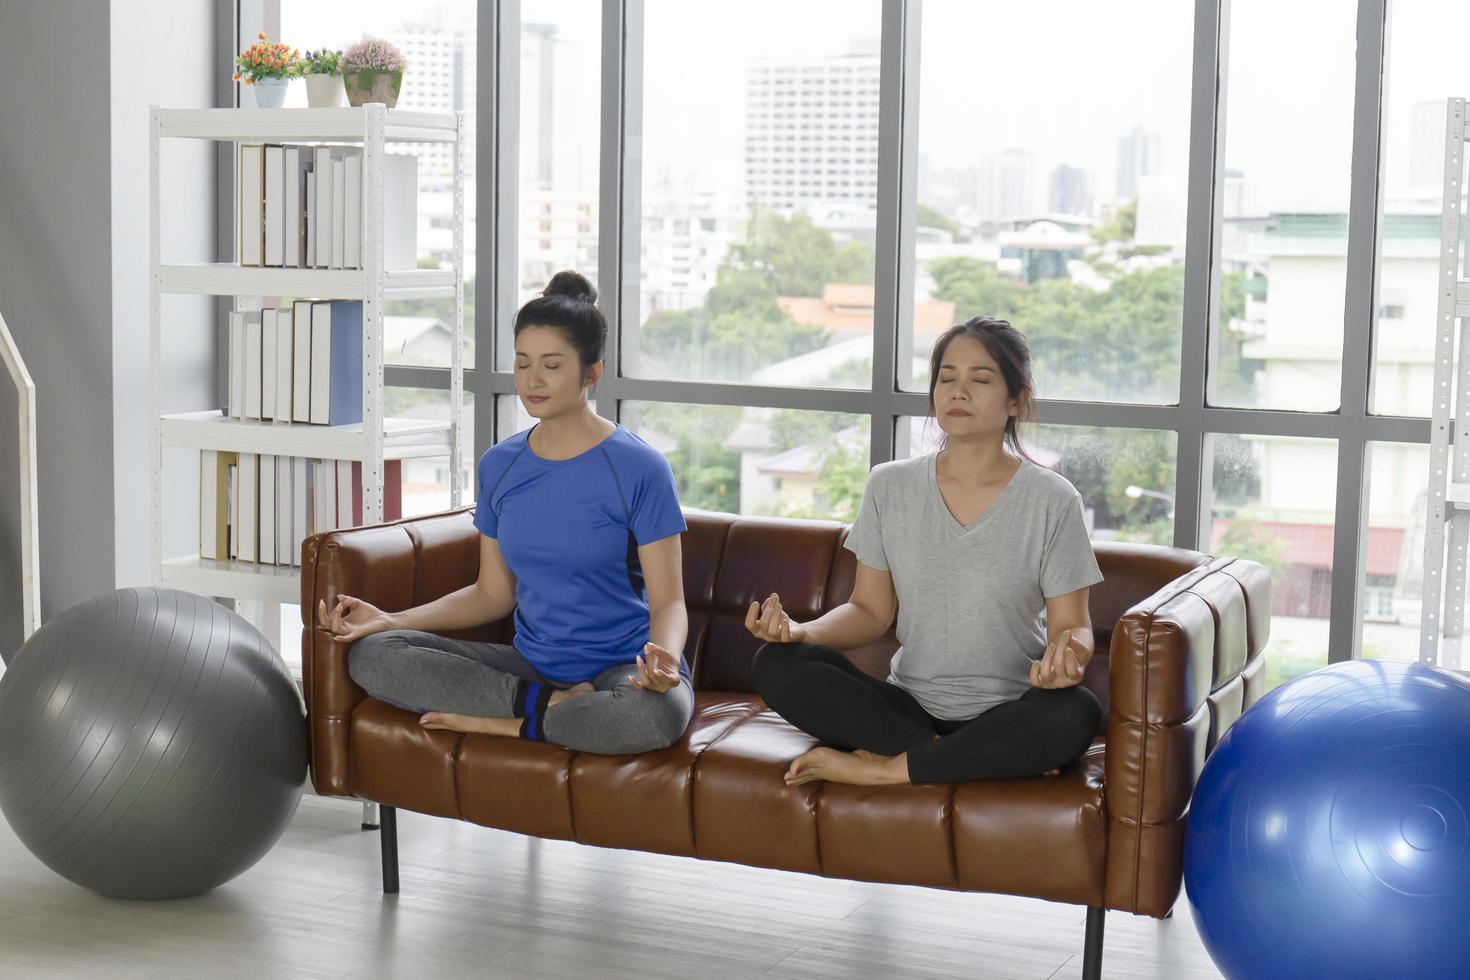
{"points": [[579, 526]]}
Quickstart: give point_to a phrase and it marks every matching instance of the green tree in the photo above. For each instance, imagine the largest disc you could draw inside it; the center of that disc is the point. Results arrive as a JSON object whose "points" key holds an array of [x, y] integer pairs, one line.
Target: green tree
{"points": [[976, 288], [930, 217], [1245, 538], [841, 479], [1121, 227], [797, 257], [706, 473]]}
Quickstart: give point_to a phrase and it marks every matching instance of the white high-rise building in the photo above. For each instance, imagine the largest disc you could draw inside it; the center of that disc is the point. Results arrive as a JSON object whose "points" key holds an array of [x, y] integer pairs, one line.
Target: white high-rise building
{"points": [[1140, 154], [440, 78], [558, 141], [440, 50], [685, 235], [811, 130]]}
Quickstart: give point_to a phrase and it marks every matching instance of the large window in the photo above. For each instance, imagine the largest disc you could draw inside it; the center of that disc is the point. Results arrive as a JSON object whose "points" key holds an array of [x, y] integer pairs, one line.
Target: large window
{"points": [[1393, 571], [759, 191], [1272, 506], [1057, 161], [1425, 66], [559, 142], [1051, 189], [764, 461], [1284, 216]]}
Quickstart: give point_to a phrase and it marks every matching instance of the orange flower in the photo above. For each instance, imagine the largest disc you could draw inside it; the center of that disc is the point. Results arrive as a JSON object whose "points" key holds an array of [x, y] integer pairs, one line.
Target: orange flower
{"points": [[261, 35]]}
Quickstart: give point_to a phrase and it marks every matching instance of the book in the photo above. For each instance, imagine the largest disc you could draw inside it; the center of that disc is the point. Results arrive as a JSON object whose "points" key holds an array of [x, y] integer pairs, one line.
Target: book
{"points": [[275, 206], [339, 209], [321, 352], [246, 504], [285, 352], [252, 364], [325, 499], [311, 217], [294, 209], [301, 361], [352, 214], [301, 505], [344, 384], [322, 167], [345, 499], [400, 211], [232, 505], [268, 361], [285, 509], [237, 365], [208, 494], [267, 510], [252, 203]]}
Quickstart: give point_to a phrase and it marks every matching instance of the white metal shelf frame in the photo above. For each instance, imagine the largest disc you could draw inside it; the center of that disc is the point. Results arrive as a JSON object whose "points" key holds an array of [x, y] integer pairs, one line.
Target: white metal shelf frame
{"points": [[1447, 521], [372, 127]]}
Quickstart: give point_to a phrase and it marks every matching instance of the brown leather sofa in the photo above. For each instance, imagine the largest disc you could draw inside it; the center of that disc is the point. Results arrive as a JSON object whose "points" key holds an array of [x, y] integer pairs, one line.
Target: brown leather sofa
{"points": [[1179, 641]]}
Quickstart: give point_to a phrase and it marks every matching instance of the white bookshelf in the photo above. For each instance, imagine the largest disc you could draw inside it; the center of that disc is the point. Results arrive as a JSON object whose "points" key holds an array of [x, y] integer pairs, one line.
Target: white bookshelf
{"points": [[376, 438], [1447, 517]]}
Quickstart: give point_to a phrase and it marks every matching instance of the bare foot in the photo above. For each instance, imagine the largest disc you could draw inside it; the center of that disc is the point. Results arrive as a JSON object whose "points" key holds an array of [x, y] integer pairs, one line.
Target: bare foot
{"points": [[471, 724], [576, 690], [858, 768]]}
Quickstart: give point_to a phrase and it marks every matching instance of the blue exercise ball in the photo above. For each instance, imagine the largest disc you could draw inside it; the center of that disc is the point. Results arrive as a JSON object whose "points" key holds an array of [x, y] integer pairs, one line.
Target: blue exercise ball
{"points": [[152, 744], [1328, 835]]}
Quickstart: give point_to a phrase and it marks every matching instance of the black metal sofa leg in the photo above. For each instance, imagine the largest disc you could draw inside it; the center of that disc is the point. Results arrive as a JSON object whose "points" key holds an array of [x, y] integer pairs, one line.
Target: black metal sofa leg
{"points": [[388, 831], [1092, 950]]}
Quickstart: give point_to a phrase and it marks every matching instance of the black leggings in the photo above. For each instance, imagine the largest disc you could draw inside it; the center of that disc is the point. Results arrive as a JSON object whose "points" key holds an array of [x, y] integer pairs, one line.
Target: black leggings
{"points": [[824, 694]]}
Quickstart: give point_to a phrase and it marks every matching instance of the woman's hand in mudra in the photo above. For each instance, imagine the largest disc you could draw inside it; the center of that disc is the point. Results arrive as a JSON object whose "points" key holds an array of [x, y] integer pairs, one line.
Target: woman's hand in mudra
{"points": [[768, 621], [1062, 665], [352, 618], [658, 669]]}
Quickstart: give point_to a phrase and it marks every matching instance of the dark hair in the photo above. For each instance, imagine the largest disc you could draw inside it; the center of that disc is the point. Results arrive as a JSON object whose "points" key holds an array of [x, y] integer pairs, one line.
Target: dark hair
{"points": [[1008, 347], [569, 303]]}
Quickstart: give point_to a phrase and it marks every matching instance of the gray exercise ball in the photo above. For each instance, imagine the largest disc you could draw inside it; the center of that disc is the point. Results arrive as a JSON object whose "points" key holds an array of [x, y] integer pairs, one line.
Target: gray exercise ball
{"points": [[152, 744]]}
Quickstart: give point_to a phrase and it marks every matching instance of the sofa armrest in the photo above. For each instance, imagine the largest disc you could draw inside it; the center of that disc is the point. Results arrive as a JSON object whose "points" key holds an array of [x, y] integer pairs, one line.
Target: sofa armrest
{"points": [[1184, 663], [393, 566]]}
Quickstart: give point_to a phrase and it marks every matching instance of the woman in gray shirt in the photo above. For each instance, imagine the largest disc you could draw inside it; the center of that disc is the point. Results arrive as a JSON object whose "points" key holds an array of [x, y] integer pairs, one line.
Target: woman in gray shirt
{"points": [[984, 556]]}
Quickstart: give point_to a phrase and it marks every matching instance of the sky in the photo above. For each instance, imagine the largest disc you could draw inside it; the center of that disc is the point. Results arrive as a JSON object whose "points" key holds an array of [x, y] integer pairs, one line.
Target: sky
{"points": [[1062, 79]]}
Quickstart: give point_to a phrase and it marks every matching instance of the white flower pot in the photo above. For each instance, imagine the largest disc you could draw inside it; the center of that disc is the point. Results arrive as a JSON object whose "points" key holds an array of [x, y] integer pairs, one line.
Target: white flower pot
{"points": [[270, 93], [324, 91]]}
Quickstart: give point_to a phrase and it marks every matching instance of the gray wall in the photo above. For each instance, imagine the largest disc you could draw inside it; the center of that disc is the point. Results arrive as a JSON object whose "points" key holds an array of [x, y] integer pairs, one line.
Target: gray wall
{"points": [[73, 278], [55, 294]]}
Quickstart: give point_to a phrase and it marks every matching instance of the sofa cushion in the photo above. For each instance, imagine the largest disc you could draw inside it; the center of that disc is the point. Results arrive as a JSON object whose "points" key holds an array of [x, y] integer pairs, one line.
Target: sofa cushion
{"points": [[643, 802], [517, 785], [393, 760], [743, 809], [1043, 836]]}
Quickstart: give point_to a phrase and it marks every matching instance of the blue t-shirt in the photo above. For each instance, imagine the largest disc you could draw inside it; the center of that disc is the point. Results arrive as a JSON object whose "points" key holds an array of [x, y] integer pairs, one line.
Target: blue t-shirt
{"points": [[570, 530]]}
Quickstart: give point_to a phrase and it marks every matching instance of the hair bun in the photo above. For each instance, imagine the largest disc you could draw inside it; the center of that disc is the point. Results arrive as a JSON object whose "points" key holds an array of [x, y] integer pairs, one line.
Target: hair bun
{"points": [[572, 285]]}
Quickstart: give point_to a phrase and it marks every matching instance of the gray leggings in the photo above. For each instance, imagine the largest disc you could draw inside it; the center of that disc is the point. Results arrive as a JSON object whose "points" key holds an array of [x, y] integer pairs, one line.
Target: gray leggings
{"points": [[420, 672]]}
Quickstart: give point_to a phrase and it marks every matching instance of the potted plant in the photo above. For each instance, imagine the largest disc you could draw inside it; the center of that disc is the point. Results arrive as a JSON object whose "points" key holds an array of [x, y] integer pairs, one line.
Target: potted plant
{"points": [[323, 73], [268, 67], [372, 71]]}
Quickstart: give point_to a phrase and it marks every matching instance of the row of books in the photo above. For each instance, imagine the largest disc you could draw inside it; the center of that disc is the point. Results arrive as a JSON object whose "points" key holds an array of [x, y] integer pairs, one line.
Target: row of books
{"points": [[301, 363], [301, 207], [261, 509]]}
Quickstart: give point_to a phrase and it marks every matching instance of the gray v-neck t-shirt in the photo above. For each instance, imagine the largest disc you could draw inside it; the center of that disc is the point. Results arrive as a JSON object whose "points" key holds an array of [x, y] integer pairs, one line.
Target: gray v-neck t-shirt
{"points": [[971, 599]]}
